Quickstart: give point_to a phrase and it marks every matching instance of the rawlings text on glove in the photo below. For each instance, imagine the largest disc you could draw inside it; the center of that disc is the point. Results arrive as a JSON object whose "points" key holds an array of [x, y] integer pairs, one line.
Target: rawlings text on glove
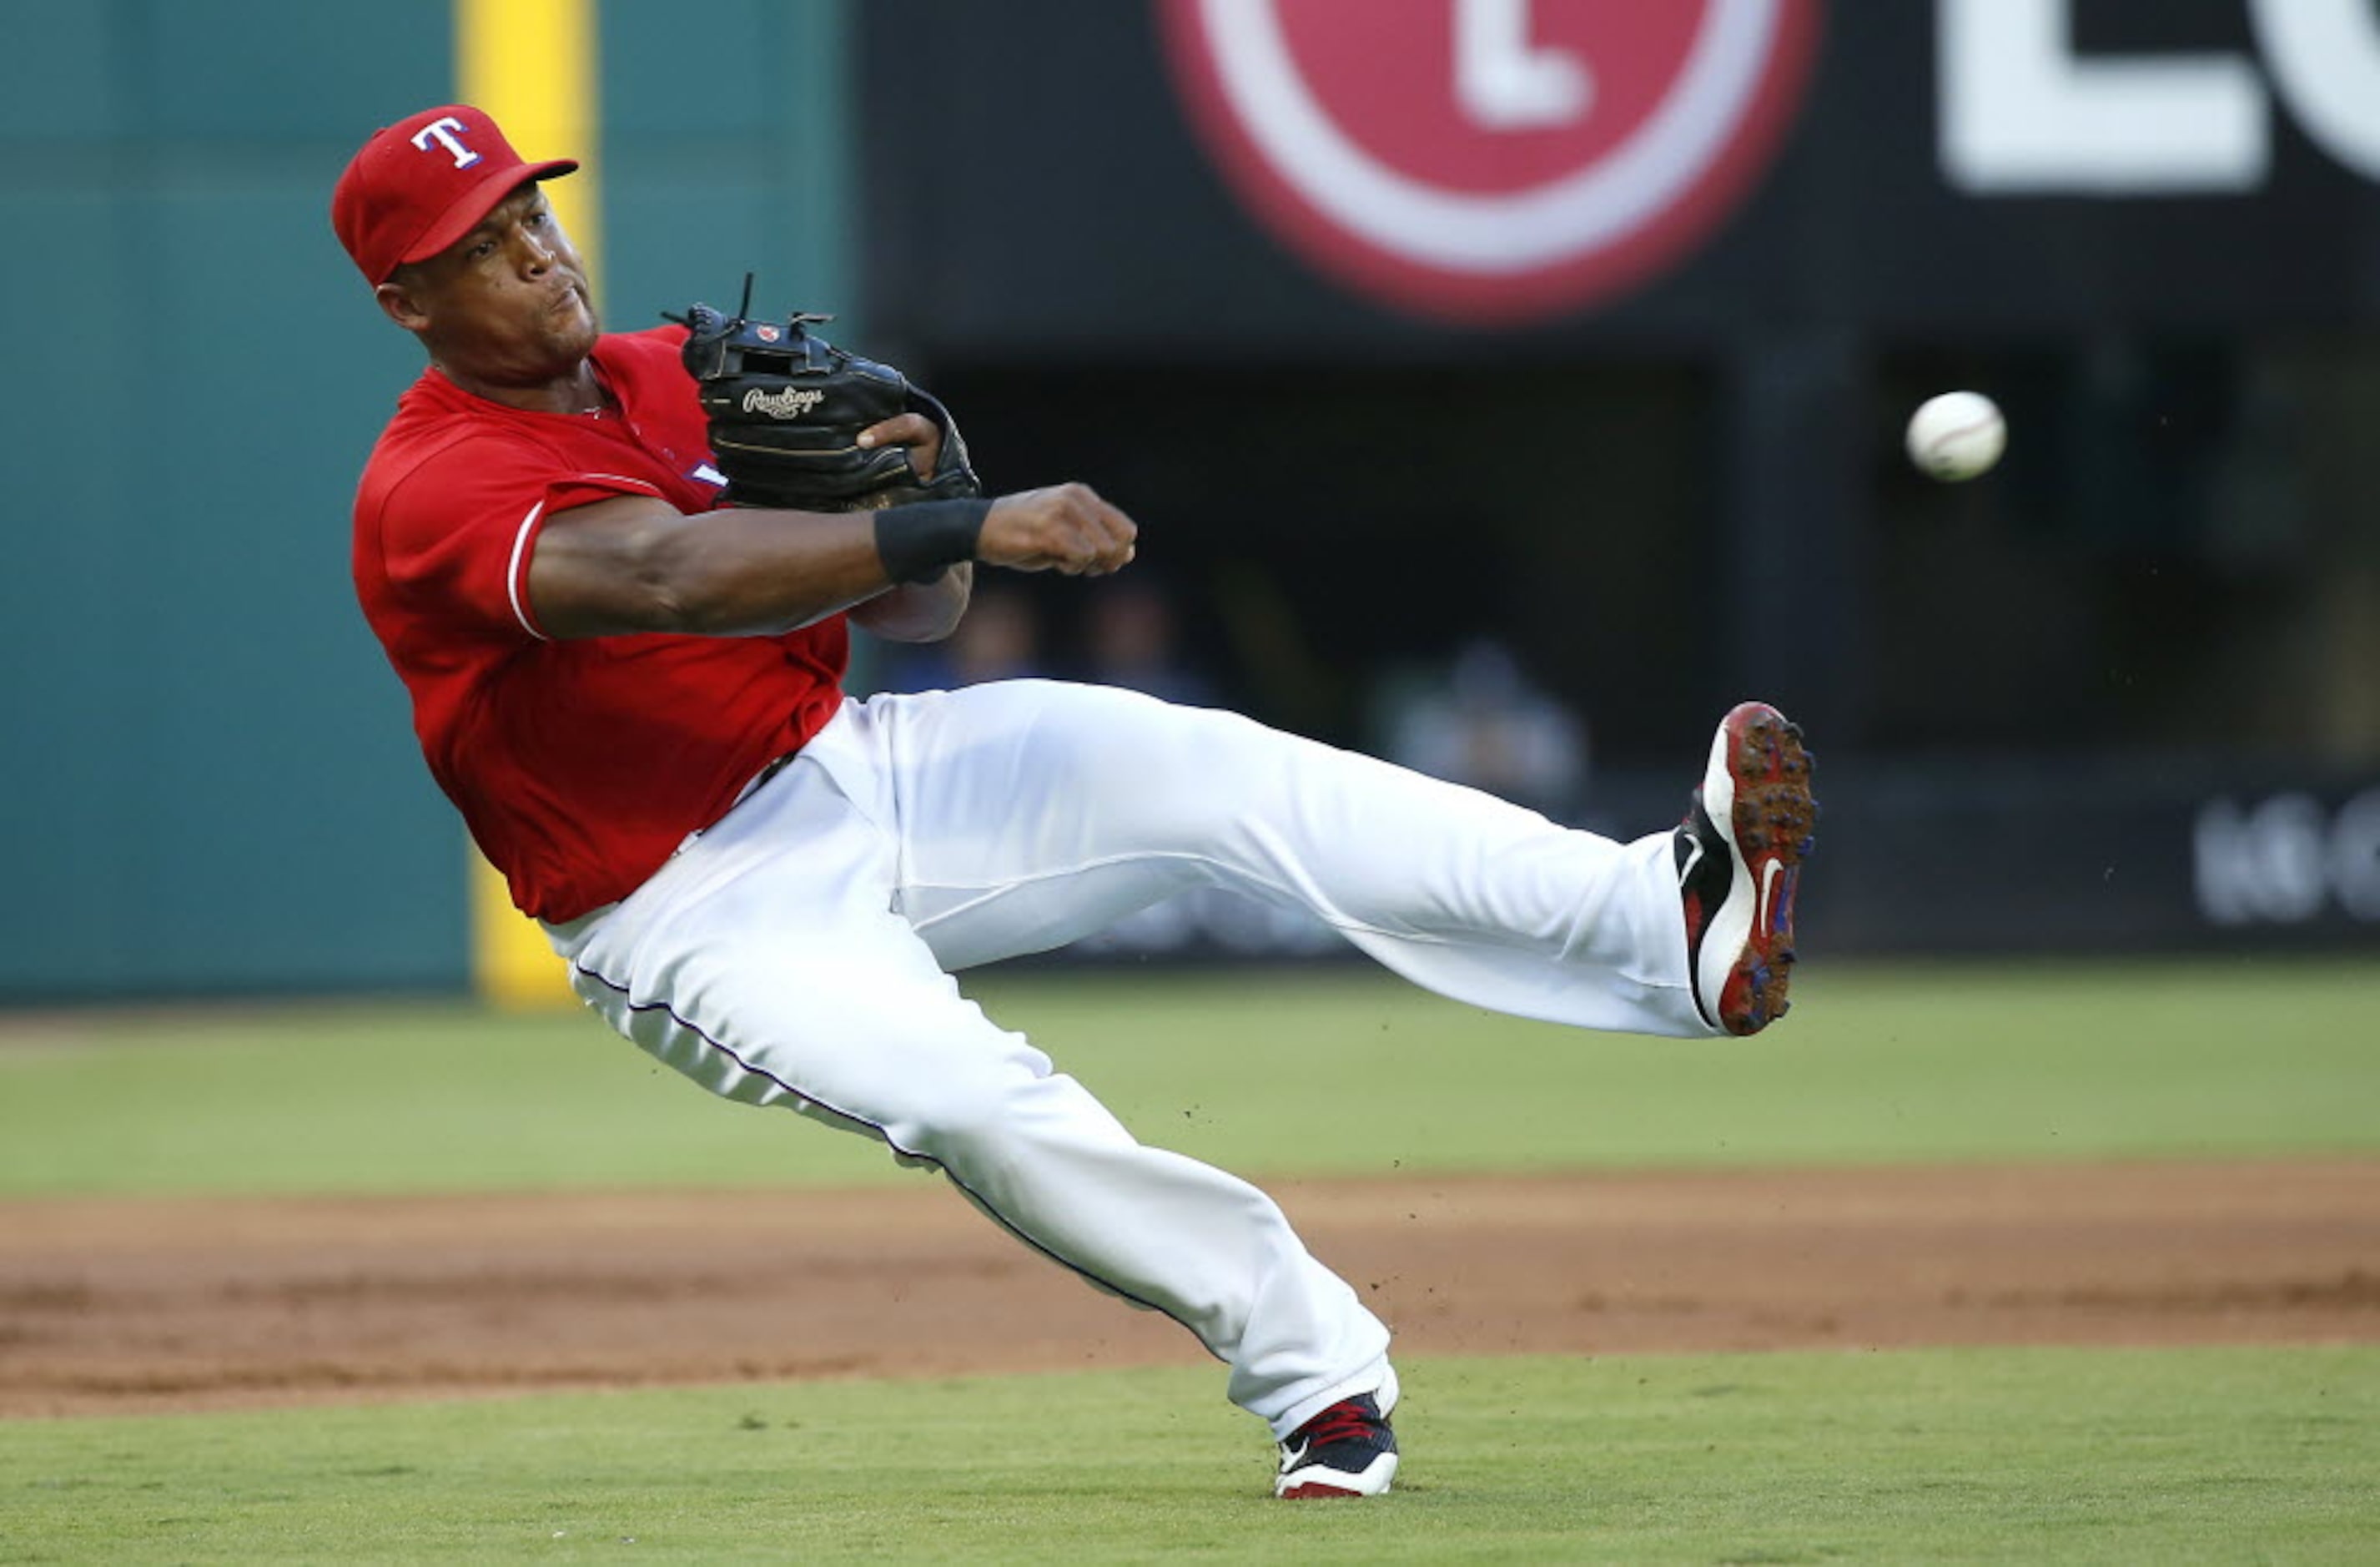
{"points": [[786, 409]]}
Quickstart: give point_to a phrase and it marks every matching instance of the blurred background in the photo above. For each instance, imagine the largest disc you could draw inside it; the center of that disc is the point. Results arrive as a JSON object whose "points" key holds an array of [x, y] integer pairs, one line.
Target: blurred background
{"points": [[1503, 386]]}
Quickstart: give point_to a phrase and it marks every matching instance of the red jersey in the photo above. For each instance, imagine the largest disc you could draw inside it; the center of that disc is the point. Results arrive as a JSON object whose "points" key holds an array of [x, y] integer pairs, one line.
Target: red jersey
{"points": [[579, 766]]}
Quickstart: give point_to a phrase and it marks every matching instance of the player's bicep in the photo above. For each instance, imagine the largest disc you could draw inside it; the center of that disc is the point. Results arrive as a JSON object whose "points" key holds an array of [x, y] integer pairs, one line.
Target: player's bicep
{"points": [[595, 570]]}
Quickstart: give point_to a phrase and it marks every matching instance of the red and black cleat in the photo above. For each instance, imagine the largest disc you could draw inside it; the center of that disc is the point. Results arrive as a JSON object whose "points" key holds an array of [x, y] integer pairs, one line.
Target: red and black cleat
{"points": [[1740, 852], [1348, 1450]]}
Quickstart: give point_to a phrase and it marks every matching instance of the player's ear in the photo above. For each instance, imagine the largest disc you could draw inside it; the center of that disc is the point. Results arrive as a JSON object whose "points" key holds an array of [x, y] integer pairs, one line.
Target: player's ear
{"points": [[401, 300]]}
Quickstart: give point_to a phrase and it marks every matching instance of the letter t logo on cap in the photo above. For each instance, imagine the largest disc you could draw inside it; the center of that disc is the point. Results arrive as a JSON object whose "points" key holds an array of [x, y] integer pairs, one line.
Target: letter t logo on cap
{"points": [[447, 132]]}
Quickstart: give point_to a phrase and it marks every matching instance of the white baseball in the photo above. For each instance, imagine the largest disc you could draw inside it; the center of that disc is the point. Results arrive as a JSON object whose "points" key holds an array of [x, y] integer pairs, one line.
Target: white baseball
{"points": [[1956, 435]]}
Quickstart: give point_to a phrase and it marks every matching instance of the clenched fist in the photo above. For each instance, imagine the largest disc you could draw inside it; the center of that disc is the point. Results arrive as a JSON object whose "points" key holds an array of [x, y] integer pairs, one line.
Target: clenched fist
{"points": [[1065, 528]]}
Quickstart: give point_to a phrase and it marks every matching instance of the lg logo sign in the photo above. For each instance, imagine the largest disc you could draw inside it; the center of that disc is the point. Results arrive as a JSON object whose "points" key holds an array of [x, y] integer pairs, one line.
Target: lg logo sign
{"points": [[1491, 160], [1499, 161], [2022, 113], [2289, 859]]}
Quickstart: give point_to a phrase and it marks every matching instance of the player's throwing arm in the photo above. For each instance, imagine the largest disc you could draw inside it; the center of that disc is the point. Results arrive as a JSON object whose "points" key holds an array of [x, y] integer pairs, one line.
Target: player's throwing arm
{"points": [[1066, 529], [800, 424]]}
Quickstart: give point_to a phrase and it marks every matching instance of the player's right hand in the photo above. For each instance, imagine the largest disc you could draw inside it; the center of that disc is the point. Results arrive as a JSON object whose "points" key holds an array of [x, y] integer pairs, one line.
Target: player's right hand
{"points": [[1065, 528]]}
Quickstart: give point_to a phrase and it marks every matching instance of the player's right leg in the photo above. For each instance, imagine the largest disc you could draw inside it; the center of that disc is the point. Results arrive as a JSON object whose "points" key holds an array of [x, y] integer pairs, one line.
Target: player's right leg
{"points": [[767, 963]]}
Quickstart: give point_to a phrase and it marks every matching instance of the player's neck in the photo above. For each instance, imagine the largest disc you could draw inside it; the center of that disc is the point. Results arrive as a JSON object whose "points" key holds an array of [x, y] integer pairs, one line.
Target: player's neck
{"points": [[579, 392]]}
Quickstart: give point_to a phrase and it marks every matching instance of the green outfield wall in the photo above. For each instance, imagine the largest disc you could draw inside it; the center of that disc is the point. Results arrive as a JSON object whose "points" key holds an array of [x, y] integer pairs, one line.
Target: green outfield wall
{"points": [[2115, 695], [210, 778]]}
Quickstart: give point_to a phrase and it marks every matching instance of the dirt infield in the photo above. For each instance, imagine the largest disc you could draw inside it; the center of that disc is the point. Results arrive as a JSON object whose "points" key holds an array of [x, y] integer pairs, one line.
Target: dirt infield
{"points": [[118, 1306]]}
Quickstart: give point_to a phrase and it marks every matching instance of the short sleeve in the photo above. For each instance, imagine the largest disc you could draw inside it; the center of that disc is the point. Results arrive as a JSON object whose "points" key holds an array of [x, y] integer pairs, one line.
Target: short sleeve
{"points": [[457, 535]]}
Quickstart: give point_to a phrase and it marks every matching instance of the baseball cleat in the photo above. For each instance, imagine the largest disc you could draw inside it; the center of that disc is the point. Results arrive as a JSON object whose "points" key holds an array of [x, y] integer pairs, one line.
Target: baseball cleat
{"points": [[1347, 1449], [1739, 852]]}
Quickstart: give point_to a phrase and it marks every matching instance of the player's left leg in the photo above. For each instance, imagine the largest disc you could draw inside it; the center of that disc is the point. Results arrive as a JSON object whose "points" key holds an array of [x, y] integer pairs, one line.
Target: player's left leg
{"points": [[1075, 805]]}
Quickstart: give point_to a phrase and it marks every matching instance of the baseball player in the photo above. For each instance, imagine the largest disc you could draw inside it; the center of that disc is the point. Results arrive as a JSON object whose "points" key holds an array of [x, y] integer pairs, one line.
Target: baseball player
{"points": [[625, 640]]}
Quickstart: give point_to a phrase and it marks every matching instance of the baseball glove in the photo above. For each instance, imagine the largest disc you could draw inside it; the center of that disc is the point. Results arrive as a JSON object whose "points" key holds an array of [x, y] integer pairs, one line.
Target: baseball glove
{"points": [[786, 408]]}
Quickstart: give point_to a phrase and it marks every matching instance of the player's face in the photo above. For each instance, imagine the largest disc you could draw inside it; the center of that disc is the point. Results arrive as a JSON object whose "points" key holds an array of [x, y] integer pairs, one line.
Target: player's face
{"points": [[507, 303]]}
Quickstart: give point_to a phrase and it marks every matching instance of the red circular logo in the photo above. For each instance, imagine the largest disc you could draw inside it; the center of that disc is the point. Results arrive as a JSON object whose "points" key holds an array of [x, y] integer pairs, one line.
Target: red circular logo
{"points": [[1491, 161]]}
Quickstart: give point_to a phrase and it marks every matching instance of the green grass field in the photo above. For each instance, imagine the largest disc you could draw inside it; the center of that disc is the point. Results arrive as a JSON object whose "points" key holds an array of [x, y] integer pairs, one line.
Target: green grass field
{"points": [[1339, 1074], [2213, 1455], [2011, 1457]]}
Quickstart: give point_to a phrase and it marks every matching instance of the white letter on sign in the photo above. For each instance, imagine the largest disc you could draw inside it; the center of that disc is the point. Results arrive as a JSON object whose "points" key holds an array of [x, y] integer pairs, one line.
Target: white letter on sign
{"points": [[2355, 855], [2021, 113], [1501, 82], [2325, 58]]}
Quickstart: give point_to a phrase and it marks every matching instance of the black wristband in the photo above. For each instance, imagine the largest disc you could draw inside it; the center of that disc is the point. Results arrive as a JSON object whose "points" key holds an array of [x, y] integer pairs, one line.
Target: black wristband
{"points": [[916, 540]]}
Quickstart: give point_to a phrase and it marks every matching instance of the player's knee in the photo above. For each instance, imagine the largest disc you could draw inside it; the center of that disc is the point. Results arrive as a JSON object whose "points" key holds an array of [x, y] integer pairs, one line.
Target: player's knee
{"points": [[992, 1120], [1162, 761], [959, 1117]]}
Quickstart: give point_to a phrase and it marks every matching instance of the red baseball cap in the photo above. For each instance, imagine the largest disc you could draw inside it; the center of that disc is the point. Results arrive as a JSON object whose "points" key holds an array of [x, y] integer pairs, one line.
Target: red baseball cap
{"points": [[420, 185]]}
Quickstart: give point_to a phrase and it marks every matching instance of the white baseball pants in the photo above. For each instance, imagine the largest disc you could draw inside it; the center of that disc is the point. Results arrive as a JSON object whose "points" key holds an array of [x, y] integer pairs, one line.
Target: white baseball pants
{"points": [[798, 952]]}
